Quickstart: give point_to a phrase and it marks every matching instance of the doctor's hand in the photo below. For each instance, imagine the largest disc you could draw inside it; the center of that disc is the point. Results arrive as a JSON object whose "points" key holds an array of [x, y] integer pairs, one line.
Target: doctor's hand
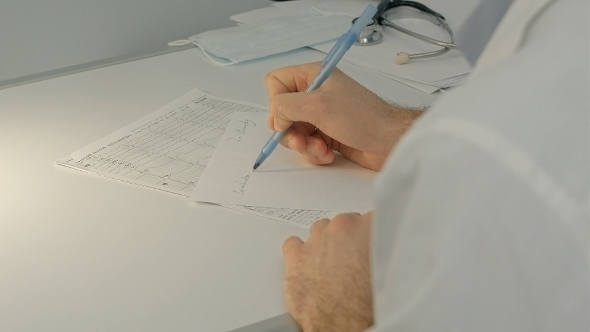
{"points": [[341, 115], [327, 278]]}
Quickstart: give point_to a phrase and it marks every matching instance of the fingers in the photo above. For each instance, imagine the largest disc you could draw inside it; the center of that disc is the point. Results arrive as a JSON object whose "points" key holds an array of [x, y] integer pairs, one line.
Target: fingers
{"points": [[298, 112], [318, 151], [290, 79], [312, 146], [282, 86], [291, 247], [287, 108], [318, 226]]}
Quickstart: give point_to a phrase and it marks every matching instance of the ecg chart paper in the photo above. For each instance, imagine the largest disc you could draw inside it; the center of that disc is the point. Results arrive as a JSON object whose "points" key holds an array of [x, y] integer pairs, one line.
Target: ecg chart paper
{"points": [[170, 148]]}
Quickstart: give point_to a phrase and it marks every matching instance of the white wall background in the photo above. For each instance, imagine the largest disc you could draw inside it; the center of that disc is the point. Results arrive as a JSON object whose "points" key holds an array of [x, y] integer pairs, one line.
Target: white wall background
{"points": [[37, 36]]}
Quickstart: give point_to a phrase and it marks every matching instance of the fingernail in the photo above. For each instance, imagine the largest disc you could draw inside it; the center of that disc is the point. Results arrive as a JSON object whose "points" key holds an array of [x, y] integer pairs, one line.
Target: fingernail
{"points": [[324, 159], [291, 144], [313, 148]]}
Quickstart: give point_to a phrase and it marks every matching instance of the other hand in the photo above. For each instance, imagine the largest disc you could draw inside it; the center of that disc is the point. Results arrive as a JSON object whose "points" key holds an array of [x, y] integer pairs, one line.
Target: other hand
{"points": [[327, 278]]}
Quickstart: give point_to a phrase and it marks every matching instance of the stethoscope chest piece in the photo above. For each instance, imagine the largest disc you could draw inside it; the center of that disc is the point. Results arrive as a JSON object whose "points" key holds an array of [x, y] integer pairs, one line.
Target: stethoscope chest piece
{"points": [[370, 35], [391, 10]]}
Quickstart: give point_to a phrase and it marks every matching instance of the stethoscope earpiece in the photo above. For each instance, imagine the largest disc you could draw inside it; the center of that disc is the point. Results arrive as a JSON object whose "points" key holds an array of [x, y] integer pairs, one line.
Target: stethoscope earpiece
{"points": [[402, 58]]}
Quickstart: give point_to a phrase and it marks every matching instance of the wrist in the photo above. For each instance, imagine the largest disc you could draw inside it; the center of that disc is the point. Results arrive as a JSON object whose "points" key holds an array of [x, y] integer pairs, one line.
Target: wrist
{"points": [[355, 314], [397, 122]]}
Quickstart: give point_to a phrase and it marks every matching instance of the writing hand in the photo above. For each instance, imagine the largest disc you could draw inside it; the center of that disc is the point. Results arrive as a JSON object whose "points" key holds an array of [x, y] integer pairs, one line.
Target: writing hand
{"points": [[341, 115]]}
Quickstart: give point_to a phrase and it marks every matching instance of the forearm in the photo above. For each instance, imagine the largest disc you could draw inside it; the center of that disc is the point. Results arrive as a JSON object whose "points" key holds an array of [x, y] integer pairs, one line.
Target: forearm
{"points": [[401, 119]]}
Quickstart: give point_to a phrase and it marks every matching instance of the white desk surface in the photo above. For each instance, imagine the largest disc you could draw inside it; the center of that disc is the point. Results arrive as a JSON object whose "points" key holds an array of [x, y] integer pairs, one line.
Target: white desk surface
{"points": [[83, 253]]}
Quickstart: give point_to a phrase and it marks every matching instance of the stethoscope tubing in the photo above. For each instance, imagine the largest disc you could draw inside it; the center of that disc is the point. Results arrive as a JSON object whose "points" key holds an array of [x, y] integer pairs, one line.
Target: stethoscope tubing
{"points": [[436, 18], [446, 46]]}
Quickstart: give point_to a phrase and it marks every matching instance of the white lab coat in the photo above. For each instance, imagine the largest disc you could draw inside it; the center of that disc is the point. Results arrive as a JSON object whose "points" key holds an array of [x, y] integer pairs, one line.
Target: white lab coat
{"points": [[481, 219]]}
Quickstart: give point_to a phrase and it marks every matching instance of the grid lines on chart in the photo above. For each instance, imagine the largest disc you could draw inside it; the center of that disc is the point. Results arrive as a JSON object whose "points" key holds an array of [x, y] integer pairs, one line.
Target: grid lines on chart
{"points": [[172, 151]]}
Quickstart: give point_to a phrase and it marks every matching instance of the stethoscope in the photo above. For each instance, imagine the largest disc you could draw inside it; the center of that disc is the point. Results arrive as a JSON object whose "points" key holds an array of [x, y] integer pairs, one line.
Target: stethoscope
{"points": [[389, 10]]}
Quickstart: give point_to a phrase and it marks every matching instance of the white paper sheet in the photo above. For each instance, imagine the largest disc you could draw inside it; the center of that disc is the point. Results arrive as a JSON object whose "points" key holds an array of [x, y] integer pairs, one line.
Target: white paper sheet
{"points": [[284, 180], [169, 148], [298, 217]]}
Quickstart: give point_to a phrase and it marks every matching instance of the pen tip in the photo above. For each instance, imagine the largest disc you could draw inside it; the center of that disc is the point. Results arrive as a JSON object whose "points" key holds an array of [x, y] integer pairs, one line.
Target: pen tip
{"points": [[255, 166]]}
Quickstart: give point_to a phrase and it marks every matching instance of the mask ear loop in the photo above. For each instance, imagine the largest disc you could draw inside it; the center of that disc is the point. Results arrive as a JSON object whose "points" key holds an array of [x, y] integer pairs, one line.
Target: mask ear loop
{"points": [[181, 42], [212, 57]]}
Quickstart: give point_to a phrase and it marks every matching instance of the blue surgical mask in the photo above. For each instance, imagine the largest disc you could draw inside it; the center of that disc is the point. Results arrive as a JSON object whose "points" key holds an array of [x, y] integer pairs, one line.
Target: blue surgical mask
{"points": [[273, 36]]}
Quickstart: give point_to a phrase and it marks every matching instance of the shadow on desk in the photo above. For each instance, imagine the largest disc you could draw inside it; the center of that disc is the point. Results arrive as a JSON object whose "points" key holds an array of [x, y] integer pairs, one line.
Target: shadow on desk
{"points": [[280, 323]]}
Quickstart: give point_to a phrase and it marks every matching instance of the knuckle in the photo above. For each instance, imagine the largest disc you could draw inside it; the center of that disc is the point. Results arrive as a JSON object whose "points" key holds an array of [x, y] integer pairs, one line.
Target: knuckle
{"points": [[317, 98], [291, 245], [269, 76], [317, 108], [273, 105], [318, 225], [344, 221]]}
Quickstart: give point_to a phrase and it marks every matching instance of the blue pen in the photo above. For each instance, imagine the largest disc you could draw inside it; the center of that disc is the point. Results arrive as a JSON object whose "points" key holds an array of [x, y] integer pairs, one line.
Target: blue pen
{"points": [[328, 64]]}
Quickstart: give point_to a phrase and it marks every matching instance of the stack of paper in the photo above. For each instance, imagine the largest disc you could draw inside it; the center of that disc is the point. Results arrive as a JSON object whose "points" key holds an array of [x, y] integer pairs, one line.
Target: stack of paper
{"points": [[284, 180], [192, 146], [427, 75]]}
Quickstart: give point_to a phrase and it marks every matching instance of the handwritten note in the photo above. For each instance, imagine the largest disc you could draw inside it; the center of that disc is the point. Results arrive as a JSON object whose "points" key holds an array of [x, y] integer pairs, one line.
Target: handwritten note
{"points": [[285, 180]]}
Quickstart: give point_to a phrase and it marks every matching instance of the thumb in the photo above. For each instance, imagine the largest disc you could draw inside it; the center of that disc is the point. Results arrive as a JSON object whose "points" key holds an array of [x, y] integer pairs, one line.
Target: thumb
{"points": [[287, 108]]}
